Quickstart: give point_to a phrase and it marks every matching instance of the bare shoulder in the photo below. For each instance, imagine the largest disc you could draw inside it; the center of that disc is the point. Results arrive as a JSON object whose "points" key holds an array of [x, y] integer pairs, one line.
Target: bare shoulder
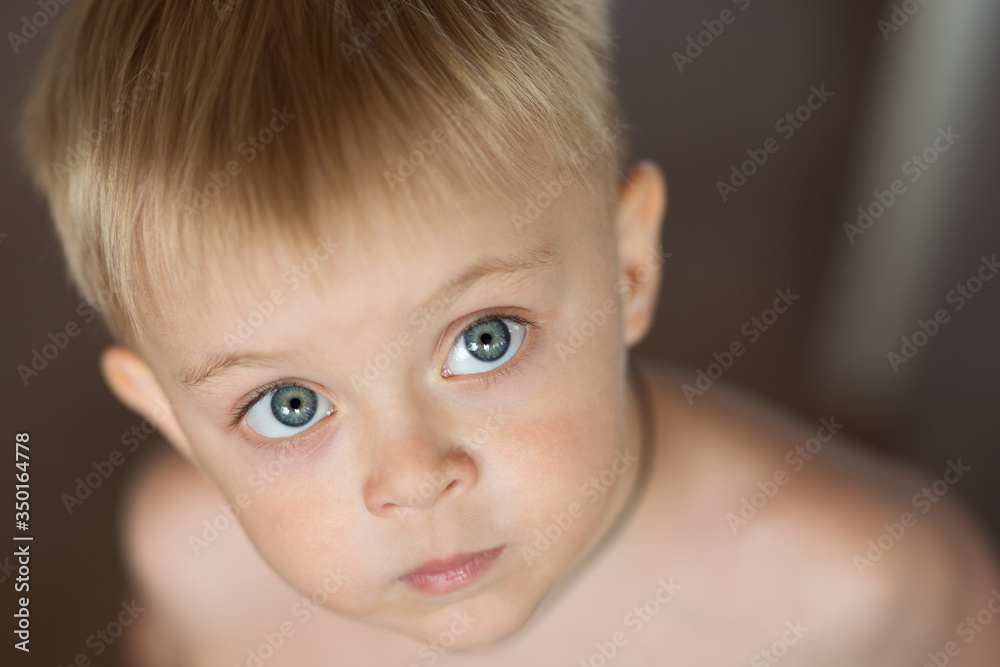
{"points": [[184, 549], [205, 585], [879, 559], [211, 598]]}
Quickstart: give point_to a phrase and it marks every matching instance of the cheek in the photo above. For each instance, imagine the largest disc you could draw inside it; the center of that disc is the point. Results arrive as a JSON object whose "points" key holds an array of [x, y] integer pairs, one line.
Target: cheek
{"points": [[299, 531], [566, 434], [295, 524]]}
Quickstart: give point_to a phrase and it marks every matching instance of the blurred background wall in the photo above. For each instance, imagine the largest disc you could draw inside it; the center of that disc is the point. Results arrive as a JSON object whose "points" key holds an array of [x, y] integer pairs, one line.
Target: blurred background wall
{"points": [[896, 79]]}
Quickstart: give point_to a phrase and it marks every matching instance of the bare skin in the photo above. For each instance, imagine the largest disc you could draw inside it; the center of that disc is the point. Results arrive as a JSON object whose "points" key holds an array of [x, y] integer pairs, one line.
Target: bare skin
{"points": [[734, 593], [433, 455]]}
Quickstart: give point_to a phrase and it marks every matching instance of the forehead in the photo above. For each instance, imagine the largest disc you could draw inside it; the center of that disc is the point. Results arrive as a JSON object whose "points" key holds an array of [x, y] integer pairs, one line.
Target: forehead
{"points": [[383, 270]]}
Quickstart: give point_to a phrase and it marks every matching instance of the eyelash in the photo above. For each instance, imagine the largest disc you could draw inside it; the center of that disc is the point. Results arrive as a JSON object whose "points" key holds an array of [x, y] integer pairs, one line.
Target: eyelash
{"points": [[488, 379], [240, 412]]}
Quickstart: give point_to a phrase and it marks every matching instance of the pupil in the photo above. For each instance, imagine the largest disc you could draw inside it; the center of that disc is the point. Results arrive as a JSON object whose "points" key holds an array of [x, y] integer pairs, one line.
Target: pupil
{"points": [[488, 341], [294, 406]]}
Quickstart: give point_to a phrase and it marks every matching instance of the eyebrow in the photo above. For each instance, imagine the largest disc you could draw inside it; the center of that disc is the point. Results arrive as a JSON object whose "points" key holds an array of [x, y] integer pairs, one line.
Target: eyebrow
{"points": [[532, 260]]}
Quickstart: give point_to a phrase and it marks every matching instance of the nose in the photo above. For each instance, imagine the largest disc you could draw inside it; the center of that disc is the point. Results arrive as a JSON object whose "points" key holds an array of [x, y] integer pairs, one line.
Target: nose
{"points": [[413, 471]]}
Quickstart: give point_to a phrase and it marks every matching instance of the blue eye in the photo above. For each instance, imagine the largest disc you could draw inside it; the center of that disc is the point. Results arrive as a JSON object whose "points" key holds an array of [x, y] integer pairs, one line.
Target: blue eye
{"points": [[485, 345], [287, 411]]}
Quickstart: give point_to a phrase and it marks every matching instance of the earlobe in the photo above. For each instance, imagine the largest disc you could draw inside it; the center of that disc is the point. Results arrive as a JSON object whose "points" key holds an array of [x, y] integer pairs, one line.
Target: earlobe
{"points": [[641, 207], [133, 382]]}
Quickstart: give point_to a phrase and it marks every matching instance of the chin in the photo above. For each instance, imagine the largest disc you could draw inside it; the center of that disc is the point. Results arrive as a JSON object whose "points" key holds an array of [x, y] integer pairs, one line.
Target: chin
{"points": [[484, 636], [472, 624], [489, 634]]}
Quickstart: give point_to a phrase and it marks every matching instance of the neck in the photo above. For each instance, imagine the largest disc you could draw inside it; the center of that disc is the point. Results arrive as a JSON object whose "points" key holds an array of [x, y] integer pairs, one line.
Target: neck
{"points": [[640, 442]]}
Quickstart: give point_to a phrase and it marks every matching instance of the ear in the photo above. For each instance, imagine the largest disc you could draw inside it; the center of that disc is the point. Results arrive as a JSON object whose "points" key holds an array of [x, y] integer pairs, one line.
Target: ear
{"points": [[641, 206], [132, 380]]}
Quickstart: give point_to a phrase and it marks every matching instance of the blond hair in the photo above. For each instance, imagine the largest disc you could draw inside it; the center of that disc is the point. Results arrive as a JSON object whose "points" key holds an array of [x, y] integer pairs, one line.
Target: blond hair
{"points": [[168, 135]]}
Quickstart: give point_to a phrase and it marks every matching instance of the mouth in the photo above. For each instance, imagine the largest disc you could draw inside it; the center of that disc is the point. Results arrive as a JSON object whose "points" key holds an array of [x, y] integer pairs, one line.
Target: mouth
{"points": [[439, 577]]}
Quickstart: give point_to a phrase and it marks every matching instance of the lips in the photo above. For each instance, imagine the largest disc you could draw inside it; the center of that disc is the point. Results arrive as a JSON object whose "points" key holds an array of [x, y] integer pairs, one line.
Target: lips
{"points": [[439, 577]]}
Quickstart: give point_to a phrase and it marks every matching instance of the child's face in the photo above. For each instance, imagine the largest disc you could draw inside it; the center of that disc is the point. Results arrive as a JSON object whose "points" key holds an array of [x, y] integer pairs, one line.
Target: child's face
{"points": [[406, 435]]}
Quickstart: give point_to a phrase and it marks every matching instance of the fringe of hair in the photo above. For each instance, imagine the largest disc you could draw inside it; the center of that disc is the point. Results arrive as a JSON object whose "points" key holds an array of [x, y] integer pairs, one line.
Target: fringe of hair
{"points": [[171, 136]]}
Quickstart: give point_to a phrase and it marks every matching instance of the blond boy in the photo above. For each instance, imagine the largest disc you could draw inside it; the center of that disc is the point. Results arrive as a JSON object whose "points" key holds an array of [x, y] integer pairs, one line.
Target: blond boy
{"points": [[375, 273]]}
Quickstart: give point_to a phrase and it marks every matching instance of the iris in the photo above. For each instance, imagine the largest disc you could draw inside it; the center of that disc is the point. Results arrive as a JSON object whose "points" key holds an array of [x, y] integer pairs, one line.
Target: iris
{"points": [[487, 341], [294, 406]]}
